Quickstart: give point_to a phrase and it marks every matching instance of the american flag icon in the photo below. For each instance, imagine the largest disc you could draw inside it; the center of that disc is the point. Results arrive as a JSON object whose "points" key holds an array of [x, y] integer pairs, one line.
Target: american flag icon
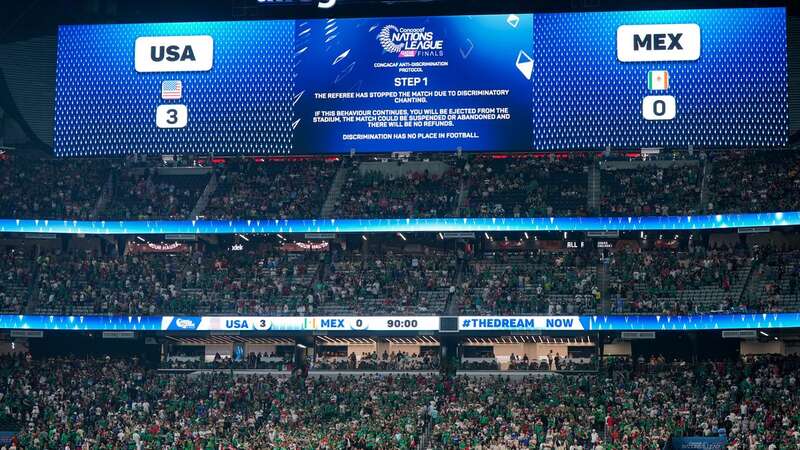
{"points": [[171, 89]]}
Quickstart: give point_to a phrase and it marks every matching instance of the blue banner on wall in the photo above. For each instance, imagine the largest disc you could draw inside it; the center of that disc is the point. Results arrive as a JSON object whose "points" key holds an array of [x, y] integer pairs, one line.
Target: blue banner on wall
{"points": [[272, 226], [511, 82]]}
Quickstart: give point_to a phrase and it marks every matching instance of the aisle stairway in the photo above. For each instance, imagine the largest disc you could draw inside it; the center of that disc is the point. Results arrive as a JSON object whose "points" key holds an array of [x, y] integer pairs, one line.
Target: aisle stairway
{"points": [[594, 189], [335, 189]]}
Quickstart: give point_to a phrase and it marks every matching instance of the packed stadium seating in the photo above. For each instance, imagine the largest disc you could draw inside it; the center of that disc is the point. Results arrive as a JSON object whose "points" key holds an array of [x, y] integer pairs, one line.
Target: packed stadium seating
{"points": [[117, 403], [84, 283], [65, 189], [638, 406], [16, 274], [476, 186], [754, 181], [144, 194], [388, 284], [552, 283], [662, 188], [399, 361], [66, 402], [679, 282], [399, 193], [527, 187], [775, 284], [291, 189], [253, 361], [266, 280]]}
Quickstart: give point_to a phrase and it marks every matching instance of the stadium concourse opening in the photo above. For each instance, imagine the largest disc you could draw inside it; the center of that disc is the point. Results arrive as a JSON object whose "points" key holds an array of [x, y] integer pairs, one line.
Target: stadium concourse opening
{"points": [[413, 225]]}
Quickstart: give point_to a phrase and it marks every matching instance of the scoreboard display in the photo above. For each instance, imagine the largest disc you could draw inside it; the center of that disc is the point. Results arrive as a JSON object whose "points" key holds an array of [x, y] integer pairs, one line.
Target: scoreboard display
{"points": [[511, 82]]}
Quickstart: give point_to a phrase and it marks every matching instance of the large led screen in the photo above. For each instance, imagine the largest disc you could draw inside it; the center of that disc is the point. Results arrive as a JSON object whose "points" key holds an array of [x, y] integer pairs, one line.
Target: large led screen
{"points": [[516, 82]]}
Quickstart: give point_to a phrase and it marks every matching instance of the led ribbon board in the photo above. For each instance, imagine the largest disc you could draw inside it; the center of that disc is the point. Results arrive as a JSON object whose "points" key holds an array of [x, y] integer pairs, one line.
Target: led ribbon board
{"points": [[272, 226], [466, 324]]}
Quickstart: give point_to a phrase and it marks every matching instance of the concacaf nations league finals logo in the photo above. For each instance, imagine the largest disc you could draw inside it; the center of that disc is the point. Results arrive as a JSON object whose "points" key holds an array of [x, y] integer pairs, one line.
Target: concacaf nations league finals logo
{"points": [[410, 42]]}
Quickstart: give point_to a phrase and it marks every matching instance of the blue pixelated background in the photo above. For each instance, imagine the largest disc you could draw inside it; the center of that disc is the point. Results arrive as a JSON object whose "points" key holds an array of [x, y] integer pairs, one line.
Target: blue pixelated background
{"points": [[735, 95], [242, 105]]}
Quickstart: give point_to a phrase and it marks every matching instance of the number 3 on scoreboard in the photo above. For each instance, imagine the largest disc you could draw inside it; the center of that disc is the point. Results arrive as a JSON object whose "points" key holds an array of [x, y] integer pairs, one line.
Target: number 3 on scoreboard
{"points": [[171, 116]]}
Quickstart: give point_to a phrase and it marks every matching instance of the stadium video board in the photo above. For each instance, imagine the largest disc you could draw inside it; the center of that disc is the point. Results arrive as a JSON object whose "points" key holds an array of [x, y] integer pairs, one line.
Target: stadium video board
{"points": [[350, 324], [515, 82]]}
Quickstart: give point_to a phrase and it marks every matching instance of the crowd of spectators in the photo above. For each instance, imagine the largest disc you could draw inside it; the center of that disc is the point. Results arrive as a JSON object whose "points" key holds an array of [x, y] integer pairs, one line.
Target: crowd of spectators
{"points": [[252, 361], [16, 275], [527, 187], [84, 282], [493, 186], [671, 281], [84, 403], [760, 181], [553, 362], [268, 281], [285, 190], [59, 189], [531, 282], [414, 194], [394, 361], [775, 282], [143, 194], [651, 191], [92, 403], [197, 282], [251, 283], [638, 407], [389, 283], [549, 362]]}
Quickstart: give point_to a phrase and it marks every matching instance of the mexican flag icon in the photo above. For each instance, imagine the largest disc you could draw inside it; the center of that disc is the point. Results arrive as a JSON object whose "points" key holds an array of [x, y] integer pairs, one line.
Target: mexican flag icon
{"points": [[657, 80]]}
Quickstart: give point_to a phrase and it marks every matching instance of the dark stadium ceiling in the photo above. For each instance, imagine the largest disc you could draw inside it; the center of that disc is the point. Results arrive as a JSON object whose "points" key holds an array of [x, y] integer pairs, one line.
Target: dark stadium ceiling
{"points": [[24, 19]]}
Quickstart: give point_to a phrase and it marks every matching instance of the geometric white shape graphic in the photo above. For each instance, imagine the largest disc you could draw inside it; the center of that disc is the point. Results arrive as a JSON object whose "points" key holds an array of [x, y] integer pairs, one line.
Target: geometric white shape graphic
{"points": [[342, 56], [525, 64], [513, 20]]}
